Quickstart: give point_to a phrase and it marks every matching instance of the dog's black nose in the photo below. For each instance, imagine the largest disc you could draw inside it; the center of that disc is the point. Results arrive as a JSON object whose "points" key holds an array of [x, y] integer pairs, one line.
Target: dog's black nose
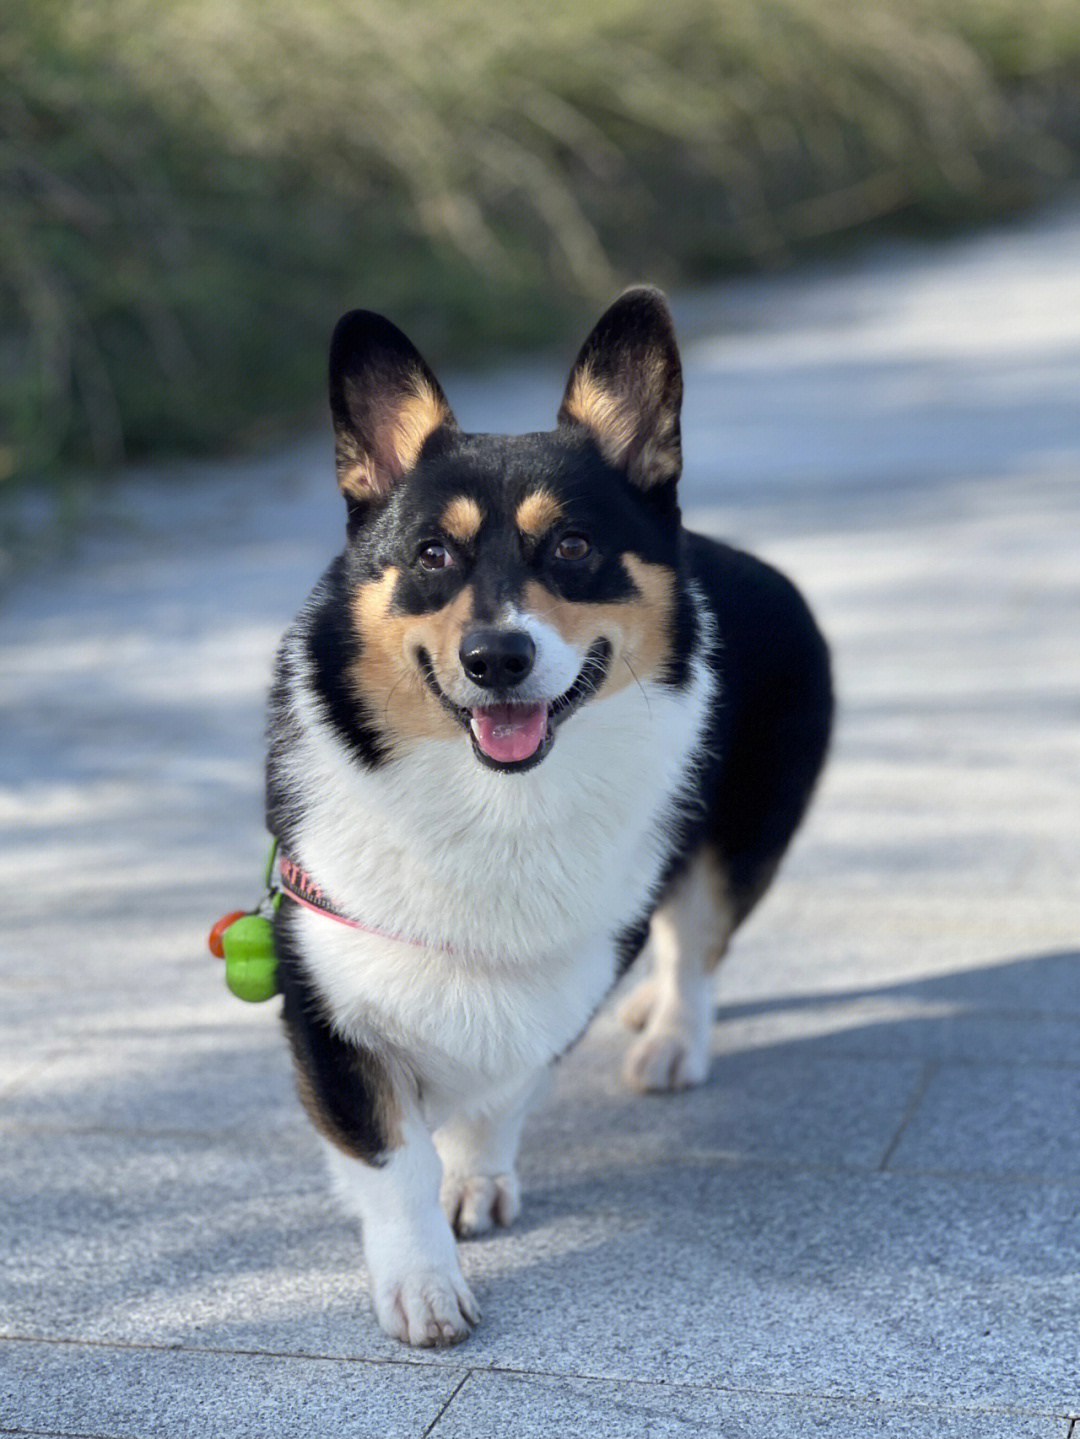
{"points": [[497, 659]]}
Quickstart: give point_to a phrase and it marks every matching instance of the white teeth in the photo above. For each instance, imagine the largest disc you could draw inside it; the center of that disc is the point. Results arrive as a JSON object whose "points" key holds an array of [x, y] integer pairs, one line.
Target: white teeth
{"points": [[474, 727]]}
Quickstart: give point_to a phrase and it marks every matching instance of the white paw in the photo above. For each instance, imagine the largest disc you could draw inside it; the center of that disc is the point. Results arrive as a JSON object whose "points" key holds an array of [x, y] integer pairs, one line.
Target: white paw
{"points": [[426, 1307], [476, 1203], [666, 1059], [636, 1009]]}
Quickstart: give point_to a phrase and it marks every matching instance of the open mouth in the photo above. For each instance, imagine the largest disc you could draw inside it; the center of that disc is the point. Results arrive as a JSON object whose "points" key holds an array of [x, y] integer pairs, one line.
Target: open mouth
{"points": [[517, 736]]}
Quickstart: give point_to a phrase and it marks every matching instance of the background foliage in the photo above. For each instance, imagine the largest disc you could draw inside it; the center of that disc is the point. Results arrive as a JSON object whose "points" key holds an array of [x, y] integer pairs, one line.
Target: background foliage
{"points": [[191, 191]]}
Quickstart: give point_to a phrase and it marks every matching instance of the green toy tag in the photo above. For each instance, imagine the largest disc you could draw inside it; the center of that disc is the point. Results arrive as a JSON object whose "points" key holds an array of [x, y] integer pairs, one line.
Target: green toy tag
{"points": [[250, 961]]}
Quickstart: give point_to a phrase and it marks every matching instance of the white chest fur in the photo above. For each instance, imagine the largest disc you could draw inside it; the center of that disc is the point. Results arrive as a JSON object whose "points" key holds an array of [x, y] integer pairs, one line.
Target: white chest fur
{"points": [[520, 882]]}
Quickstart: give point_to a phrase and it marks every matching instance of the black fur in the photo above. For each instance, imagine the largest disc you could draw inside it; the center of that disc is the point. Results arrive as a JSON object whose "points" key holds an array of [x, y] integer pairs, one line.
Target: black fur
{"points": [[345, 1089], [771, 732]]}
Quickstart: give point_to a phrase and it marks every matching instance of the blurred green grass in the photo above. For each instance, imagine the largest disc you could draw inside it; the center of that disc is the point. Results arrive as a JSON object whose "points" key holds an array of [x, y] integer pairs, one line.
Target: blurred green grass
{"points": [[193, 190]]}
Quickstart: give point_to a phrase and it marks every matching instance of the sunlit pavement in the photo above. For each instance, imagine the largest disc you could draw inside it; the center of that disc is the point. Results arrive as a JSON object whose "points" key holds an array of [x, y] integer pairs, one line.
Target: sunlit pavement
{"points": [[868, 1221]]}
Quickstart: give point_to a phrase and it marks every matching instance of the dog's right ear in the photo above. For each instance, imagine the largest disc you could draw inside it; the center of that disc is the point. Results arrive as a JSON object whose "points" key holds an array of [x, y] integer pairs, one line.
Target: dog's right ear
{"points": [[385, 401]]}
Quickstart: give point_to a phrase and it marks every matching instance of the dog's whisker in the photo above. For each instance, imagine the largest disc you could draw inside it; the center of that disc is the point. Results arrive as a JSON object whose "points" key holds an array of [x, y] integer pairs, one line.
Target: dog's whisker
{"points": [[641, 687], [393, 689]]}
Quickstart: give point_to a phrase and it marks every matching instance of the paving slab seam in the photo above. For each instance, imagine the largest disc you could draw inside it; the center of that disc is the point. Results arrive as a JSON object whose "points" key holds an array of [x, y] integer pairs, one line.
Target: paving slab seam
{"points": [[755, 1392], [65, 1434], [457, 1390], [220, 1352], [840, 1402], [473, 1370], [930, 1069]]}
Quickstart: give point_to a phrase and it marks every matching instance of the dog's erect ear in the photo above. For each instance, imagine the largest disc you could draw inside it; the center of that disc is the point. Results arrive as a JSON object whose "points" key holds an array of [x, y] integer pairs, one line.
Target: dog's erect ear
{"points": [[385, 401], [626, 389]]}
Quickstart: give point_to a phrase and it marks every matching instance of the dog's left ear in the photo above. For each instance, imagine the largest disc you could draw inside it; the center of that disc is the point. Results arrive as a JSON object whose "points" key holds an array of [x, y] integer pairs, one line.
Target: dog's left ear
{"points": [[626, 389], [386, 404]]}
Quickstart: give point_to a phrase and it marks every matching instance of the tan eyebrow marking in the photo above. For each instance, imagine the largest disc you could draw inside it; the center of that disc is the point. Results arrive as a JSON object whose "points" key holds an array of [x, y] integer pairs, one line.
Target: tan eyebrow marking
{"points": [[462, 519], [537, 513]]}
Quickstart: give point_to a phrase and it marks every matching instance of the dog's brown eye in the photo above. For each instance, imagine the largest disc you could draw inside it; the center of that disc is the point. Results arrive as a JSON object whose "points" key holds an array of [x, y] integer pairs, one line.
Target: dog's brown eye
{"points": [[435, 557], [572, 547]]}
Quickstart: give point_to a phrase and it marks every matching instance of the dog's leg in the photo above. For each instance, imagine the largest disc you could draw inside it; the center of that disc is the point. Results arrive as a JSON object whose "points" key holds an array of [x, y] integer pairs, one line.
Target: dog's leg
{"points": [[480, 1185], [417, 1287], [673, 1008], [385, 1170]]}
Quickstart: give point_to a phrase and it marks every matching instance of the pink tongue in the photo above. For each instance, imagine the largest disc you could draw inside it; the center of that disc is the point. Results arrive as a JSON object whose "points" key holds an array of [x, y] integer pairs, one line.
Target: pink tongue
{"points": [[510, 732]]}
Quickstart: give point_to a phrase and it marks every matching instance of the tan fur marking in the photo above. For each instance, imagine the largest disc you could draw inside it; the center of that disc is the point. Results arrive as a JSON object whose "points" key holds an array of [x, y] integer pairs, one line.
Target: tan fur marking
{"points": [[537, 513], [638, 629], [462, 519], [386, 675], [400, 426], [709, 878]]}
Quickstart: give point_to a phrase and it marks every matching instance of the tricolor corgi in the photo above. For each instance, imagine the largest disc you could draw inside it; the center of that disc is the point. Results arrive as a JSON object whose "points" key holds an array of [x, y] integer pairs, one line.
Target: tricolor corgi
{"points": [[525, 724]]}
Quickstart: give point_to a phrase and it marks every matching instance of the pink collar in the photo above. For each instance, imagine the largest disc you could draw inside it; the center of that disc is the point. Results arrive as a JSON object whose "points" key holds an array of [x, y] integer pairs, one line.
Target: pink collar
{"points": [[302, 889]]}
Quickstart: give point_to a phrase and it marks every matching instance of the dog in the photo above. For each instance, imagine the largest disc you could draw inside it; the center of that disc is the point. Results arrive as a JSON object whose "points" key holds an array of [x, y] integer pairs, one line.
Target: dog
{"points": [[525, 723]]}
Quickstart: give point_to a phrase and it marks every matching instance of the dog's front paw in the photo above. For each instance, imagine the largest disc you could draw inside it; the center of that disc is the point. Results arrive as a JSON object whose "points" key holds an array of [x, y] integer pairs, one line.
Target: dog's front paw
{"points": [[427, 1307], [417, 1288], [476, 1203]]}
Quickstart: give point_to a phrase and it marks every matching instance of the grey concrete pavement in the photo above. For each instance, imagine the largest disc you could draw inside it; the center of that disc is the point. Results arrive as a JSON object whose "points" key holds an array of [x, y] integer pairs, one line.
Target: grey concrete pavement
{"points": [[868, 1221]]}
